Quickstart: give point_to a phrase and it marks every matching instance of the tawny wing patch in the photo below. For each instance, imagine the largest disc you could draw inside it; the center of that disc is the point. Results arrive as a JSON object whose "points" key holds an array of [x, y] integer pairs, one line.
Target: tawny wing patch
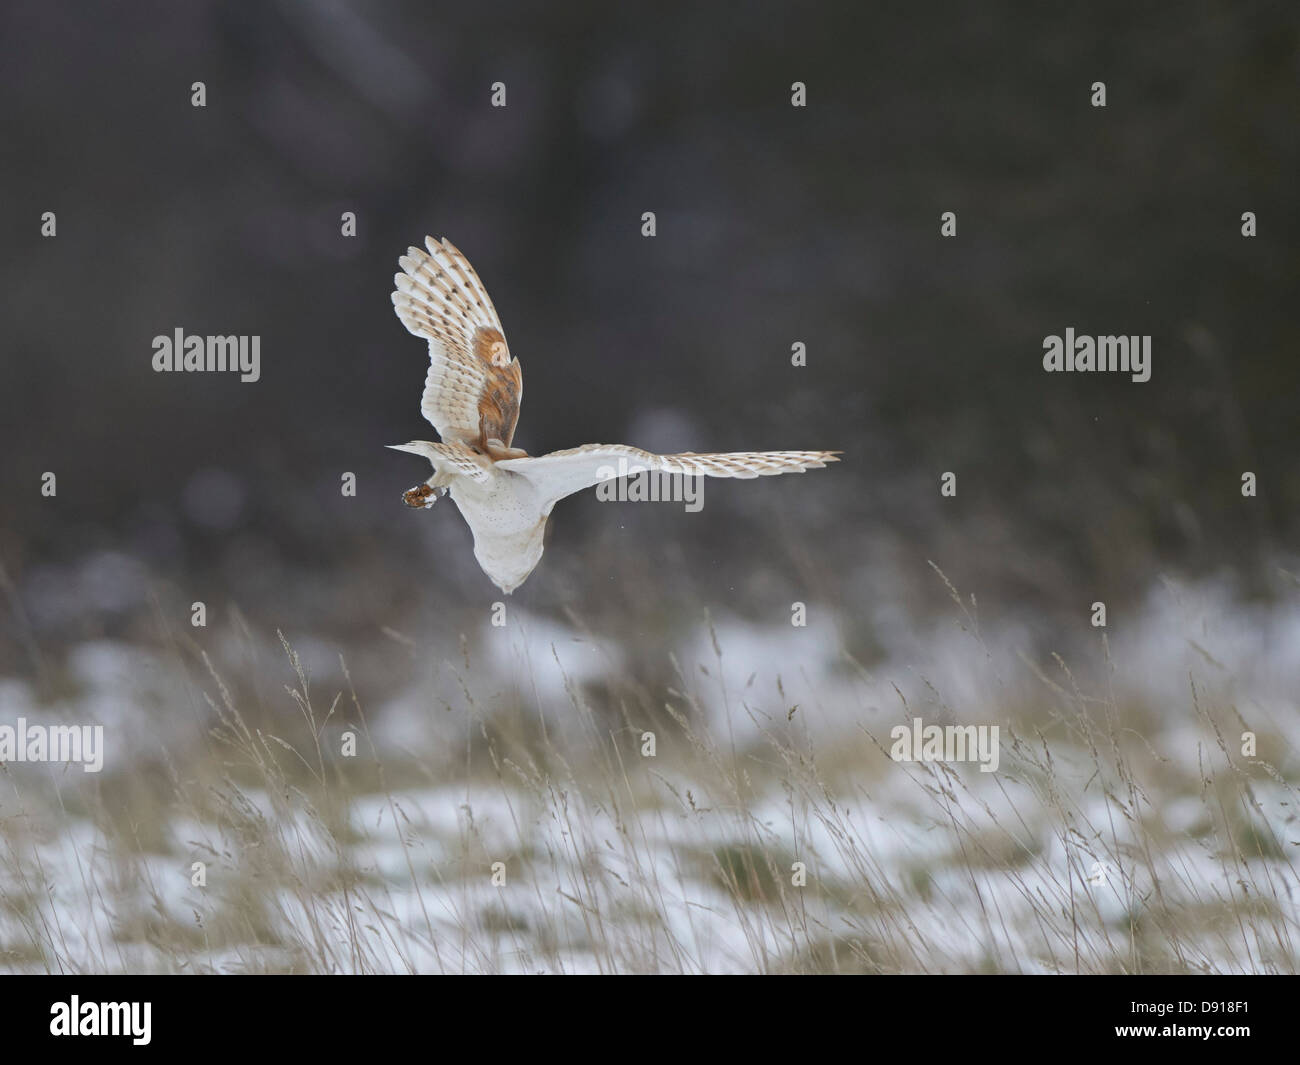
{"points": [[561, 473], [473, 388]]}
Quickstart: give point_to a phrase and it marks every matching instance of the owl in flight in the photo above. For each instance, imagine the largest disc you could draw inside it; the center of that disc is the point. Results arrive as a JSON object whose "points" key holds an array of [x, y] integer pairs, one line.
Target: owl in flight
{"points": [[471, 396]]}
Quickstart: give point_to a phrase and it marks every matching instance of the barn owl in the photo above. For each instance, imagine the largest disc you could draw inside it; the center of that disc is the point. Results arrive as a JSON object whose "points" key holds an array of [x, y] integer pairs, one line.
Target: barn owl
{"points": [[471, 396]]}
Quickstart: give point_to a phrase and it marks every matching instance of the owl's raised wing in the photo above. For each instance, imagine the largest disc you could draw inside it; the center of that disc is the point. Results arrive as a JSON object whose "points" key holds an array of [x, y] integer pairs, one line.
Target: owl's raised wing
{"points": [[561, 473], [473, 388]]}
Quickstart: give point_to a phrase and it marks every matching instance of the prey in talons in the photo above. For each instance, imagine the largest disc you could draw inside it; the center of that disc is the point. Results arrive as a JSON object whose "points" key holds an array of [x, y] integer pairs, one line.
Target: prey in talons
{"points": [[422, 495]]}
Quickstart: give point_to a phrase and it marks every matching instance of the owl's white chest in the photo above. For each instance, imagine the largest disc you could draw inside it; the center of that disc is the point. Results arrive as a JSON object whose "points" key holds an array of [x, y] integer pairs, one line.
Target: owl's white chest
{"points": [[505, 516]]}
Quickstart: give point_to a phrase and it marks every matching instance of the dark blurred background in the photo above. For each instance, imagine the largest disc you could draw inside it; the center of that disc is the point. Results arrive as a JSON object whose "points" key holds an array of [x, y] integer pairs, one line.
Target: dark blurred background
{"points": [[775, 224]]}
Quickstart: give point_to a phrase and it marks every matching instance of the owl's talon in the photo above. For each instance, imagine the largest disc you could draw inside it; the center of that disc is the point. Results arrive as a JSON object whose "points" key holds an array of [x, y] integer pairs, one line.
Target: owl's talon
{"points": [[420, 496]]}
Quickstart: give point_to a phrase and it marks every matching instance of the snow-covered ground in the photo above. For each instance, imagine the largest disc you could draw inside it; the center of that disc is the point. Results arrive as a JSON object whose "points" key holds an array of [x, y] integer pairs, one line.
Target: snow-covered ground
{"points": [[1129, 826]]}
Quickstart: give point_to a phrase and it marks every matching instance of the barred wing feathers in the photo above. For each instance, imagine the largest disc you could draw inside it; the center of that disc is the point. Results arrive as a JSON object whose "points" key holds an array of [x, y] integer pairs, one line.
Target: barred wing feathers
{"points": [[473, 387]]}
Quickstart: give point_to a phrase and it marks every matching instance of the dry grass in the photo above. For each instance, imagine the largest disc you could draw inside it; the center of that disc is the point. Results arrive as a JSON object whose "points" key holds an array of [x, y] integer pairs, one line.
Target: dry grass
{"points": [[683, 862]]}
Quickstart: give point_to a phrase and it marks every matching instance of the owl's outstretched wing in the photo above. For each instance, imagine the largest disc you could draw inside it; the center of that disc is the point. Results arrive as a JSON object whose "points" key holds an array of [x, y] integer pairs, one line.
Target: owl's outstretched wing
{"points": [[561, 473], [473, 388], [449, 460]]}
